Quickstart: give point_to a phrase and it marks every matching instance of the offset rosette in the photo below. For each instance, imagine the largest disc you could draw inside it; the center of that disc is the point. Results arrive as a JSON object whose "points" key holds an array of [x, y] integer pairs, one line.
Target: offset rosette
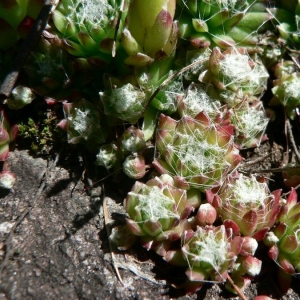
{"points": [[197, 99], [284, 238], [291, 175], [126, 102], [50, 69], [235, 74], [286, 91], [246, 205], [89, 28], [250, 123], [209, 253], [197, 152], [286, 16], [222, 23], [158, 210], [82, 123]]}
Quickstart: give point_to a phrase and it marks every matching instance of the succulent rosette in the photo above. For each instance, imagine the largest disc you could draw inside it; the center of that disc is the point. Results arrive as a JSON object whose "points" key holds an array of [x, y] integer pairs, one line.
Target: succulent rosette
{"points": [[196, 100], [157, 209], [246, 205], [196, 151], [286, 91], [89, 28], [150, 32], [222, 23], [125, 153], [134, 166], [209, 253], [132, 140], [167, 98], [284, 238], [286, 16], [250, 124], [109, 156], [126, 102], [16, 20], [50, 69], [82, 123], [234, 73]]}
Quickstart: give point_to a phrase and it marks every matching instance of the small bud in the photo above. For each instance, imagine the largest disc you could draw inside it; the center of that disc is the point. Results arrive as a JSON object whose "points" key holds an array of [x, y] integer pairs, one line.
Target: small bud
{"points": [[134, 166], [249, 246], [206, 215], [108, 156], [7, 179], [252, 265]]}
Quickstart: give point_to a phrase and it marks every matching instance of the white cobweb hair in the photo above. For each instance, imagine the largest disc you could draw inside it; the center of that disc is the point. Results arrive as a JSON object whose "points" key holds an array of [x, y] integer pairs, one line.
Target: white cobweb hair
{"points": [[235, 69], [207, 247], [253, 195], [197, 100], [154, 205], [251, 123], [198, 155], [89, 10]]}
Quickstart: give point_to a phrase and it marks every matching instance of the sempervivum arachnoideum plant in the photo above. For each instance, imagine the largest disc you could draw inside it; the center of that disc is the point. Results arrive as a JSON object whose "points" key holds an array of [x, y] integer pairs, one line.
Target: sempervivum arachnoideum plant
{"points": [[286, 91], [286, 17], [209, 254], [284, 239], [126, 153], [124, 102], [158, 211], [246, 205], [83, 123], [196, 100], [212, 253], [50, 70], [196, 151], [20, 97], [250, 122], [89, 28], [235, 74], [222, 23]]}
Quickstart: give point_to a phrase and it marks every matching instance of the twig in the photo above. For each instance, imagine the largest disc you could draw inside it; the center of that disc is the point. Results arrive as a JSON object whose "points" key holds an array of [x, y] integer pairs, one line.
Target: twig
{"points": [[256, 160], [138, 273], [273, 170], [106, 221], [33, 36], [237, 289], [292, 140], [122, 7]]}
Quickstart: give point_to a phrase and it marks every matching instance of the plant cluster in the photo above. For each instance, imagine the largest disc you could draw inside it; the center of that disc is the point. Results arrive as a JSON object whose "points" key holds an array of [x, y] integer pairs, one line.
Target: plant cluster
{"points": [[185, 78]]}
